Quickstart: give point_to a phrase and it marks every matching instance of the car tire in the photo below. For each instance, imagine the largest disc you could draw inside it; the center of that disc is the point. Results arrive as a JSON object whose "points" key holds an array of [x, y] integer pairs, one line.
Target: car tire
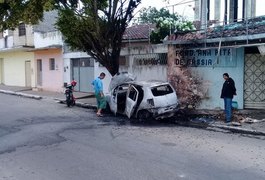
{"points": [[143, 115], [107, 109]]}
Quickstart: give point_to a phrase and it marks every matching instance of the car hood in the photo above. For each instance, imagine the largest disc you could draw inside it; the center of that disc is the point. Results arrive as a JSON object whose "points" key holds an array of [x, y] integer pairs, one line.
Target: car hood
{"points": [[120, 78]]}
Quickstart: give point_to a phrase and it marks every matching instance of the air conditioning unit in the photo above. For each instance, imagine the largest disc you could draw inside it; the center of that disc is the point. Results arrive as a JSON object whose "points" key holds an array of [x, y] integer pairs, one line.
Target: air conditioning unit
{"points": [[262, 50]]}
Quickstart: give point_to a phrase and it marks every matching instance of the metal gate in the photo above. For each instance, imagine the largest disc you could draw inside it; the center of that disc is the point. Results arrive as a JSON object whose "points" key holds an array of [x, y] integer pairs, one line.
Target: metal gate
{"points": [[83, 73], [254, 81]]}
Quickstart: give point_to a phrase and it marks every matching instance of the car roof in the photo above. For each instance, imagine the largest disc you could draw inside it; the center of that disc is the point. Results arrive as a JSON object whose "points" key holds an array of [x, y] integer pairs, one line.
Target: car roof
{"points": [[150, 83]]}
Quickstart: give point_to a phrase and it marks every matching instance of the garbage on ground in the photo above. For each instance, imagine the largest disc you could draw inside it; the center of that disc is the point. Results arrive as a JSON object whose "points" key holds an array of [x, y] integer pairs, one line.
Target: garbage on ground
{"points": [[252, 120], [236, 124], [202, 120]]}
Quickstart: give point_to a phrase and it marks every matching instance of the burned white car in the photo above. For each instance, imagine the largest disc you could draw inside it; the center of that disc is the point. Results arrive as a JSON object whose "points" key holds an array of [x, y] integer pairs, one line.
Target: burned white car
{"points": [[142, 99]]}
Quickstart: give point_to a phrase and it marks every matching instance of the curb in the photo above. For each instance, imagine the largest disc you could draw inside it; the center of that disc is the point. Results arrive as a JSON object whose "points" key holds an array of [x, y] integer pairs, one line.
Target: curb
{"points": [[78, 104], [238, 129], [232, 129], [21, 94]]}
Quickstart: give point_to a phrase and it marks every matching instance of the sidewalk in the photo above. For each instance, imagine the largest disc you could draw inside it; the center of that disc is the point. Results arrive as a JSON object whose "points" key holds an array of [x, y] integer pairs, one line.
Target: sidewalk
{"points": [[86, 100], [246, 121]]}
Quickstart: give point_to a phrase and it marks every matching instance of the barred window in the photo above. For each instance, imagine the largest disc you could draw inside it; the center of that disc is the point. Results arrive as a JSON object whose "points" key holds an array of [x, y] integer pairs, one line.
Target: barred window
{"points": [[22, 29], [52, 64]]}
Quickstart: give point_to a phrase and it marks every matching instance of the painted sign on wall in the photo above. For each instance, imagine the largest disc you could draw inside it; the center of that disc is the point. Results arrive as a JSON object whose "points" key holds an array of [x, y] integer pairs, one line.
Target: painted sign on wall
{"points": [[226, 57]]}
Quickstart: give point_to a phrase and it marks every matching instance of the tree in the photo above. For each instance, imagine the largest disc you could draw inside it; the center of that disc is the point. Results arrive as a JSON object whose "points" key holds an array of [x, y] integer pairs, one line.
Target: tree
{"points": [[97, 28], [166, 23], [149, 15], [12, 12], [93, 26]]}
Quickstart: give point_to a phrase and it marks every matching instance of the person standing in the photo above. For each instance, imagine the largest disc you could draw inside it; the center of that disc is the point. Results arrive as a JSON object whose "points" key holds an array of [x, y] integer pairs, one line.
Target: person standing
{"points": [[228, 92], [98, 87]]}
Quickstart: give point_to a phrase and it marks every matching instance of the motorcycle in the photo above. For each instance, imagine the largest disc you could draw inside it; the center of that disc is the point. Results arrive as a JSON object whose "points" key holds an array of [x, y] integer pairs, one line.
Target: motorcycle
{"points": [[70, 99]]}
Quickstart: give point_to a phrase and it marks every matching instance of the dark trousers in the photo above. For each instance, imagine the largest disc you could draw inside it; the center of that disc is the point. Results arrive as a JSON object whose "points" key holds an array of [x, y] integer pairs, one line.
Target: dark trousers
{"points": [[228, 109]]}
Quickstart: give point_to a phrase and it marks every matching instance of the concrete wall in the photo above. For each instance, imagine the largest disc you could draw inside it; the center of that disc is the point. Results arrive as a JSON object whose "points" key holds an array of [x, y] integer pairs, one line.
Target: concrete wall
{"points": [[52, 80], [149, 68], [10, 42], [198, 74], [14, 67], [47, 39], [27, 40], [143, 71]]}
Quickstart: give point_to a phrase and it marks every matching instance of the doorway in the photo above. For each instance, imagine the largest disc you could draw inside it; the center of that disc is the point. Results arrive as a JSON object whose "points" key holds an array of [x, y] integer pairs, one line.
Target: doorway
{"points": [[39, 72], [28, 73], [254, 78], [83, 73], [1, 71]]}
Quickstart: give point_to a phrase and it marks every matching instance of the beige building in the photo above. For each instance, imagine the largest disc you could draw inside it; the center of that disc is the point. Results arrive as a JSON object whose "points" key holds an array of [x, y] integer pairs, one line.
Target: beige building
{"points": [[16, 60]]}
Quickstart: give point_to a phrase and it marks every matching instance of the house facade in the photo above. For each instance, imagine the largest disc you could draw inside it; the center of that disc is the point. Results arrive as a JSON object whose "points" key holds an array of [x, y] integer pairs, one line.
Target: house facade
{"points": [[16, 58], [232, 44], [48, 55]]}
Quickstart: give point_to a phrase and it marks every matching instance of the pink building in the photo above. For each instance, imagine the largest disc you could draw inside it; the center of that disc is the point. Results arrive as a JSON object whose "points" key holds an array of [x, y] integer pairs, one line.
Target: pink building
{"points": [[49, 69], [48, 58]]}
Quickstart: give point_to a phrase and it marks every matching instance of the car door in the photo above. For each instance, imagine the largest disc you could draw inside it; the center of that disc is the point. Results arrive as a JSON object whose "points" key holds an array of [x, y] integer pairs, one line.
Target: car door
{"points": [[131, 100], [113, 100]]}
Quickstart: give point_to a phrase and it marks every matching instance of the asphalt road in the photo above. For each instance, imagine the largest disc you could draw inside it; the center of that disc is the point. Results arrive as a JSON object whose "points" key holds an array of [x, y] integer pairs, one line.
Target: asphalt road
{"points": [[44, 140]]}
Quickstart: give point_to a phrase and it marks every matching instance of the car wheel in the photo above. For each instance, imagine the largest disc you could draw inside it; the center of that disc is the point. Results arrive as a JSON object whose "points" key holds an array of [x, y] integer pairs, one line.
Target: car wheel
{"points": [[107, 109], [143, 115]]}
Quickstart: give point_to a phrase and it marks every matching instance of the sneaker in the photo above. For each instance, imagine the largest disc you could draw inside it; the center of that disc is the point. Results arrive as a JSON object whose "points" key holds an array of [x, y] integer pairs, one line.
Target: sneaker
{"points": [[228, 123]]}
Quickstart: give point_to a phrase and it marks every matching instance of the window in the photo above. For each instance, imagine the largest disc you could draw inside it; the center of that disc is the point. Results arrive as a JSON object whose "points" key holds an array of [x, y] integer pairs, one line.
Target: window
{"points": [[52, 64], [161, 90], [22, 29], [133, 94]]}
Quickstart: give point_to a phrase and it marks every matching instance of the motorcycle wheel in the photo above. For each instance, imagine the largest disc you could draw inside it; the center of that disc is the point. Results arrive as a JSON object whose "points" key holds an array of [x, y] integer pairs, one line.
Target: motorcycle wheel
{"points": [[68, 101]]}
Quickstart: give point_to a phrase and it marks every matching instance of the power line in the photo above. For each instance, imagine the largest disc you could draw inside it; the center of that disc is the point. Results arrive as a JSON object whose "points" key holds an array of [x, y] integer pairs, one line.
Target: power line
{"points": [[181, 3]]}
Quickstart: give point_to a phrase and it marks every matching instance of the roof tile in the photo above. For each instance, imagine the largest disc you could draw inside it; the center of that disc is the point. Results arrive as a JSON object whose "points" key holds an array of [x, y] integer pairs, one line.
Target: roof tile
{"points": [[253, 26], [140, 31]]}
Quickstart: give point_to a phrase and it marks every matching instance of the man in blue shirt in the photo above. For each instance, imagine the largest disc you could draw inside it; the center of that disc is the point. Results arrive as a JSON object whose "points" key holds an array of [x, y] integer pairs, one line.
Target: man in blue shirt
{"points": [[98, 87]]}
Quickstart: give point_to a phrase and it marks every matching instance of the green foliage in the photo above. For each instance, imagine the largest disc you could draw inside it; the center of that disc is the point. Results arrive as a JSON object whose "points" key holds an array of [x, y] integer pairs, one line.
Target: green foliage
{"points": [[166, 23], [93, 26], [97, 28], [12, 12], [150, 15]]}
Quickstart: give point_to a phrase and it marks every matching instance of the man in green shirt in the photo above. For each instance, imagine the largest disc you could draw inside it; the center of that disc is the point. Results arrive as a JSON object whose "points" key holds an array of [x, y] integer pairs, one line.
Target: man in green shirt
{"points": [[98, 87]]}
